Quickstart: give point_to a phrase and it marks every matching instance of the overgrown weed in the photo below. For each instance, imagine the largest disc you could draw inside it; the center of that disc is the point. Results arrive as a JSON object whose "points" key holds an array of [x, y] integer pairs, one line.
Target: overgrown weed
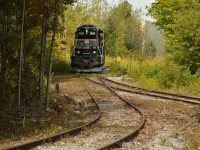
{"points": [[157, 74]]}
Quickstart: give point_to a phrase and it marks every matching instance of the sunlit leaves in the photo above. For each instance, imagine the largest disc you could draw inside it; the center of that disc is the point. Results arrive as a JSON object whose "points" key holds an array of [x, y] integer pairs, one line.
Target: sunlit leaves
{"points": [[187, 36], [123, 30], [179, 21]]}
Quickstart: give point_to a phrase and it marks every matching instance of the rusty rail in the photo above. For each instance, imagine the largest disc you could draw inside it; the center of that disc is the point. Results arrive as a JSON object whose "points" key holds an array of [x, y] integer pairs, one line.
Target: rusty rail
{"points": [[133, 133], [164, 95], [56, 137]]}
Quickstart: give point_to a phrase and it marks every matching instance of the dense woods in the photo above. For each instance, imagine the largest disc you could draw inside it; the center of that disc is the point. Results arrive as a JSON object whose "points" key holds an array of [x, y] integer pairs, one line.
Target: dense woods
{"points": [[121, 23], [32, 32]]}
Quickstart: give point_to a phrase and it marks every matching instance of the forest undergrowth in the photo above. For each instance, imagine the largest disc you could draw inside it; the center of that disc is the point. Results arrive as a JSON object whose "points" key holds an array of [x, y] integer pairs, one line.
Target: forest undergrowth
{"points": [[157, 74]]}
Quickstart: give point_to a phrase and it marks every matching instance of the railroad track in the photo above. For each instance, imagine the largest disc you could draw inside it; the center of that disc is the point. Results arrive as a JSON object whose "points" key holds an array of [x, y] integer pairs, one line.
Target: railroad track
{"points": [[103, 107], [58, 136], [165, 115], [135, 131], [120, 121], [121, 110], [142, 91]]}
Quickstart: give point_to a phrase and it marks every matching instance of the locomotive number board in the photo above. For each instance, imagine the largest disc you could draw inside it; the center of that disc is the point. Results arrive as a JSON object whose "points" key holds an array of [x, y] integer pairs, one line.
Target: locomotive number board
{"points": [[86, 34]]}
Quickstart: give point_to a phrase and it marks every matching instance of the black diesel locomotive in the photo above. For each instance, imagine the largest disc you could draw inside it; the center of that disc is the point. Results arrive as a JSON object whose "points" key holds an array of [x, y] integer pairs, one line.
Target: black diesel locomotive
{"points": [[88, 53]]}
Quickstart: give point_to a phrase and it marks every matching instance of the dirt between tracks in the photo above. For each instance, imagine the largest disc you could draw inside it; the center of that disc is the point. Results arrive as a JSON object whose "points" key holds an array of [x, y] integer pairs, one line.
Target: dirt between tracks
{"points": [[169, 125], [63, 115], [117, 120]]}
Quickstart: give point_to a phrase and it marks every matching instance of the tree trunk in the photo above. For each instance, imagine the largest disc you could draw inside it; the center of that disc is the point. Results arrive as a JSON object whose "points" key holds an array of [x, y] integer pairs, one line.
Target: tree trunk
{"points": [[51, 54], [3, 61], [20, 57], [42, 60]]}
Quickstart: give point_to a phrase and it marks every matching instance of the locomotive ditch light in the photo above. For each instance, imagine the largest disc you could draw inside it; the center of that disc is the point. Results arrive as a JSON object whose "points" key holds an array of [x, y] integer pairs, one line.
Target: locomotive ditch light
{"points": [[94, 52], [78, 52]]}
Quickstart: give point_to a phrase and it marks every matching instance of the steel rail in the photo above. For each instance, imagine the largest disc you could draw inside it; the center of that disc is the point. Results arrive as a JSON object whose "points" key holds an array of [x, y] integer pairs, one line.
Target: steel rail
{"points": [[133, 133], [56, 137], [174, 96], [151, 93]]}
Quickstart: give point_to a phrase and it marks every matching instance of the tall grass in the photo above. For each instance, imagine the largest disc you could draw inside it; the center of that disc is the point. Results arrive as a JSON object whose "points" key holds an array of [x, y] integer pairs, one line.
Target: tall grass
{"points": [[157, 74], [61, 65]]}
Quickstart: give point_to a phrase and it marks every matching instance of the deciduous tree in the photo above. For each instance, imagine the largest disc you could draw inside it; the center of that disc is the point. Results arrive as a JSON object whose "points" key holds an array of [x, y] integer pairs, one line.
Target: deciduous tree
{"points": [[178, 27]]}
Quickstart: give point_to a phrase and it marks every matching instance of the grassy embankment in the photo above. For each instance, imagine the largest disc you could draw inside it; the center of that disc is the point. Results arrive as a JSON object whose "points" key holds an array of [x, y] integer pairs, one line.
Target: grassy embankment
{"points": [[155, 74]]}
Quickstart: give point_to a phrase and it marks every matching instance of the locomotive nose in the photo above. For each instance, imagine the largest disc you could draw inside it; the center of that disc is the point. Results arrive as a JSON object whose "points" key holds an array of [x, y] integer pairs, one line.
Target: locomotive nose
{"points": [[86, 62]]}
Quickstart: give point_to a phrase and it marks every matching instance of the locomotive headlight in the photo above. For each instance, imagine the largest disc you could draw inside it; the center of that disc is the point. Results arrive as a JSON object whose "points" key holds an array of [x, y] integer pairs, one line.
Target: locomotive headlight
{"points": [[78, 52], [94, 52]]}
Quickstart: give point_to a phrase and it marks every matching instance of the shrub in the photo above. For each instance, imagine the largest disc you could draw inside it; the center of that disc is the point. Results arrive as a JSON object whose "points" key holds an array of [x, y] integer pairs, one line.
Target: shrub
{"points": [[172, 75], [152, 72], [61, 66]]}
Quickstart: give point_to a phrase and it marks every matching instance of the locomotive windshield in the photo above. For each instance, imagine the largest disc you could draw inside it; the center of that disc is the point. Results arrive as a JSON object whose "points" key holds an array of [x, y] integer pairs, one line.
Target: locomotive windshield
{"points": [[86, 44]]}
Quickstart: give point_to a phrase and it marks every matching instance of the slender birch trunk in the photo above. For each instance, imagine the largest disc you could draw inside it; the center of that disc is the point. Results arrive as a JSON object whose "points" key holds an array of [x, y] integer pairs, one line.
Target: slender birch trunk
{"points": [[51, 54], [20, 57], [42, 59]]}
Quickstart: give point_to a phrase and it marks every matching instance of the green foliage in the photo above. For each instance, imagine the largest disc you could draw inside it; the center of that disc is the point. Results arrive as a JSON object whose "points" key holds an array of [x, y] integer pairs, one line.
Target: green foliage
{"points": [[168, 75], [179, 21], [115, 65], [157, 74], [152, 72], [133, 33], [185, 47], [61, 66], [123, 30], [11, 20], [150, 49]]}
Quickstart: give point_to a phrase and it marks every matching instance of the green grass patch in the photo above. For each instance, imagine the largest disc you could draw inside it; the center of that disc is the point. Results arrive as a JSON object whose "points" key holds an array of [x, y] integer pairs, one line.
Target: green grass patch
{"points": [[157, 74]]}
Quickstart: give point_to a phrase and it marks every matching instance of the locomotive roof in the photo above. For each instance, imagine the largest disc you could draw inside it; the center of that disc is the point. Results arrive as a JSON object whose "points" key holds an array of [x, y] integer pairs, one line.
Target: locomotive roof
{"points": [[87, 26]]}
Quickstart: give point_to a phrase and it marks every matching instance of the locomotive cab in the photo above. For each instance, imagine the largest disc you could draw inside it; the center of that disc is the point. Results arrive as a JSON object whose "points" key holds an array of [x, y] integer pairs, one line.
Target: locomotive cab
{"points": [[88, 53]]}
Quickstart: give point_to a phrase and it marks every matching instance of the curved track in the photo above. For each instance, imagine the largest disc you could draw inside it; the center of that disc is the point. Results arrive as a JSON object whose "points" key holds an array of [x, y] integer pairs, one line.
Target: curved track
{"points": [[137, 90], [56, 137], [111, 140], [133, 133], [120, 121]]}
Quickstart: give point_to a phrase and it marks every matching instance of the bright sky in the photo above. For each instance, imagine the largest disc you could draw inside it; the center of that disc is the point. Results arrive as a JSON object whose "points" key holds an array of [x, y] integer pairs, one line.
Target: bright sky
{"points": [[137, 4]]}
